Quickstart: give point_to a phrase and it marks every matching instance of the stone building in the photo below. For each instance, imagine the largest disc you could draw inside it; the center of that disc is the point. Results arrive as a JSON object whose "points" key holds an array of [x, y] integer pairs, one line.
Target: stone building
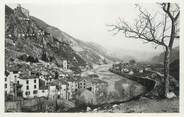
{"points": [[10, 80], [52, 92], [30, 86], [20, 9], [84, 83]]}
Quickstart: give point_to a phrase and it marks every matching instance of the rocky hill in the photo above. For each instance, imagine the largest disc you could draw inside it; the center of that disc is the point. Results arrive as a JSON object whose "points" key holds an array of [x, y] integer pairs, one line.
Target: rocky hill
{"points": [[30, 36]]}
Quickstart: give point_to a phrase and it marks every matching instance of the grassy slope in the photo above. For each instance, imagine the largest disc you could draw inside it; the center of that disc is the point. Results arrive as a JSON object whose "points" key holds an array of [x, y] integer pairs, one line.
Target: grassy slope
{"points": [[145, 105]]}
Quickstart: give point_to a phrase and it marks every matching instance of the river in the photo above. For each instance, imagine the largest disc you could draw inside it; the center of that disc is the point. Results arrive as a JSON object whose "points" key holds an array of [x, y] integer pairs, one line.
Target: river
{"points": [[120, 87]]}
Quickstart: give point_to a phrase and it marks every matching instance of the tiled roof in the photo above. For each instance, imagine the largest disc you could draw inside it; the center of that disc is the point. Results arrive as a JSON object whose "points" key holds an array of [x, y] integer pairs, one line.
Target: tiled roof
{"points": [[26, 75]]}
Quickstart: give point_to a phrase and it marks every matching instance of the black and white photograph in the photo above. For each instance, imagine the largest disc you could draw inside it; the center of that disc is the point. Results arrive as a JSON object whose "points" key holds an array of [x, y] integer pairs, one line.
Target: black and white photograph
{"points": [[91, 57]]}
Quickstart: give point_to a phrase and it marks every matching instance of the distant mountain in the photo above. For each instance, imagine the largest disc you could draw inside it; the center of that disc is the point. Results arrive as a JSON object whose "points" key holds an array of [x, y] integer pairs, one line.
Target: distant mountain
{"points": [[93, 48], [28, 35], [159, 58], [126, 55]]}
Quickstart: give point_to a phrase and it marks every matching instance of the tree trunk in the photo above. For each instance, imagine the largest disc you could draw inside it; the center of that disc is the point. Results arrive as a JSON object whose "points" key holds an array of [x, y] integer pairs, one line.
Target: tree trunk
{"points": [[167, 59], [166, 70]]}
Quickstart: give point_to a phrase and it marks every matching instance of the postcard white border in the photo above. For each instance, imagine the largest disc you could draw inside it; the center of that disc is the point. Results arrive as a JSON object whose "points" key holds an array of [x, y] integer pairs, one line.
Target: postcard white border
{"points": [[2, 48]]}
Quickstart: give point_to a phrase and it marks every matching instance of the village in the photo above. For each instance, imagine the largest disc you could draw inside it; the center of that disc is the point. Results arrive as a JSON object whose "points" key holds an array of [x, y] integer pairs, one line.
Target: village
{"points": [[48, 82], [28, 79], [130, 67]]}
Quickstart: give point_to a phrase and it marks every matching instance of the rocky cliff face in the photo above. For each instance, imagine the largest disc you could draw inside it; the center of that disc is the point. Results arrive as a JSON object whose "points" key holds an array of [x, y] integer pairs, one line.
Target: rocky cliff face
{"points": [[31, 36]]}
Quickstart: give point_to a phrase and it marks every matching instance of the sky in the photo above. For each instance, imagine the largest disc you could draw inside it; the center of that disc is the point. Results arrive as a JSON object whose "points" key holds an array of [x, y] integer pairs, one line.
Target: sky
{"points": [[88, 21]]}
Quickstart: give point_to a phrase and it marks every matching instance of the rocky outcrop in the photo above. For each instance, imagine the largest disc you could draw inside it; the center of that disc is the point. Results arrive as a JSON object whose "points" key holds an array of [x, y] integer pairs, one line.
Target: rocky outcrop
{"points": [[158, 89]]}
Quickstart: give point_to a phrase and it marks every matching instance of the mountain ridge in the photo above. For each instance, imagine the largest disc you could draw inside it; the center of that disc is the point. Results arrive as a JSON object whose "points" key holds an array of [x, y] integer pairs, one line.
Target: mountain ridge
{"points": [[32, 36]]}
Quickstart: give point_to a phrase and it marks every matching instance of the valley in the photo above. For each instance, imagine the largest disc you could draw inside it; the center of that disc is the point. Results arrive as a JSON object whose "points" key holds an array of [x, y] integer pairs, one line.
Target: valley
{"points": [[48, 70]]}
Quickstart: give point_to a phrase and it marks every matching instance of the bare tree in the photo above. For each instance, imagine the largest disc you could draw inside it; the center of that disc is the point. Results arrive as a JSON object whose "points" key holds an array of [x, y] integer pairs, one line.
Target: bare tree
{"points": [[161, 33]]}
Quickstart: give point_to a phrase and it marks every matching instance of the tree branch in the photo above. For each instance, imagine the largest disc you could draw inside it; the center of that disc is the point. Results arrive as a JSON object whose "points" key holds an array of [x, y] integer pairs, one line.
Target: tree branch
{"points": [[145, 27], [177, 16], [167, 10], [164, 28]]}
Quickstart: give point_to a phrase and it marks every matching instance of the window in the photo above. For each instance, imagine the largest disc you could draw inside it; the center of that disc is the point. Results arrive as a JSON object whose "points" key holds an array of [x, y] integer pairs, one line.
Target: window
{"points": [[35, 92], [27, 87], [5, 79], [27, 82], [35, 81], [27, 93], [35, 86], [5, 85]]}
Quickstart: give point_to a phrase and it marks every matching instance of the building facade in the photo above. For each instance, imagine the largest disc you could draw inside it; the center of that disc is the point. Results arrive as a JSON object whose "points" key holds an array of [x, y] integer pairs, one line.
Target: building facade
{"points": [[43, 93], [84, 83], [10, 80], [30, 87], [52, 92]]}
